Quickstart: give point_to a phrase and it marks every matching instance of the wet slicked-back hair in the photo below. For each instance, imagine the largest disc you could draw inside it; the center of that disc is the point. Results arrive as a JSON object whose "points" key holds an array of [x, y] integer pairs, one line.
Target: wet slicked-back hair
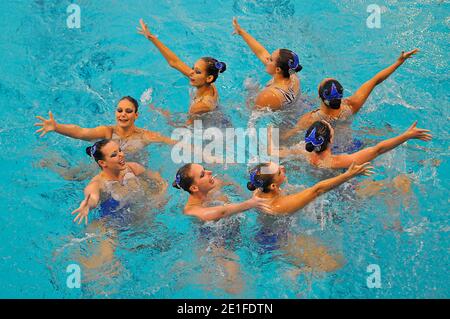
{"points": [[182, 179], [132, 100]]}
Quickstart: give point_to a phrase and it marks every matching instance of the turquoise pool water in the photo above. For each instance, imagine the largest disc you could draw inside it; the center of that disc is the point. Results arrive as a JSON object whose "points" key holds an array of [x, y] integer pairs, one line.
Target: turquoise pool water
{"points": [[80, 73]]}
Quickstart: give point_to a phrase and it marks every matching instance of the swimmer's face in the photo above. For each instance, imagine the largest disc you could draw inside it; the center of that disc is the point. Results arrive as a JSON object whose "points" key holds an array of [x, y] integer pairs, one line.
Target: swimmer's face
{"points": [[271, 64], [125, 114], [278, 173], [203, 180], [198, 76], [114, 158]]}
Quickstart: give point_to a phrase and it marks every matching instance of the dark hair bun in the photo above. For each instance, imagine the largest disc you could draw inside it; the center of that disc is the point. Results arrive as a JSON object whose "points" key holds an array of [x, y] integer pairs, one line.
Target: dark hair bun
{"points": [[250, 186], [174, 184], [309, 147], [335, 104], [224, 67], [298, 68], [88, 150]]}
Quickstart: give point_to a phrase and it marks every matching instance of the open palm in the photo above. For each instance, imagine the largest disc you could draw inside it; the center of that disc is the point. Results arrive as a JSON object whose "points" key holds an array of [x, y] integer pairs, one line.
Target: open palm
{"points": [[47, 125]]}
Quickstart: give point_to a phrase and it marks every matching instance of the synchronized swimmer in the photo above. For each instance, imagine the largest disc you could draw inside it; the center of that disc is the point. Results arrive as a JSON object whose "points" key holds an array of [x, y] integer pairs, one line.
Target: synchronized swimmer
{"points": [[131, 139], [283, 64], [202, 74], [319, 141], [113, 188]]}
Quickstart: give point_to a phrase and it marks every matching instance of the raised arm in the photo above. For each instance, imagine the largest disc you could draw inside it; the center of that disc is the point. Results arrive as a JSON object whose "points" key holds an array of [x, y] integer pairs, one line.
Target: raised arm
{"points": [[254, 45], [292, 203], [214, 213], [357, 100], [70, 130], [90, 201], [368, 154], [173, 60]]}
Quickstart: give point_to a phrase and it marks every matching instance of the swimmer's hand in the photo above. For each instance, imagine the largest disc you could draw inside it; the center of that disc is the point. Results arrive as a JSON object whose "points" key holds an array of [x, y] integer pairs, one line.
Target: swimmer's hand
{"points": [[144, 30], [83, 211], [237, 27], [363, 169], [406, 55], [418, 133], [47, 125], [260, 204]]}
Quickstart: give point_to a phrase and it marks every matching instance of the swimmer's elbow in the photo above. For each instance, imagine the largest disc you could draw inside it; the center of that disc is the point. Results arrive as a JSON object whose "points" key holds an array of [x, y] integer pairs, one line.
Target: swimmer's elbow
{"points": [[172, 63]]}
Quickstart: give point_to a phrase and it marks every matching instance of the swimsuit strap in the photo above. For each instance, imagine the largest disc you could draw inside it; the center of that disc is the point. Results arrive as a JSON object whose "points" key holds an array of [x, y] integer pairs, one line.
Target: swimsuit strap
{"points": [[289, 95]]}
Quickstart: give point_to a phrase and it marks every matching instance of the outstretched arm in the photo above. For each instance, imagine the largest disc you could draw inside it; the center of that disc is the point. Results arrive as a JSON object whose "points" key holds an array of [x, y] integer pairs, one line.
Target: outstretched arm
{"points": [[357, 100], [303, 123], [173, 60], [282, 152], [155, 137], [292, 203], [368, 154], [214, 213], [91, 199], [254, 45], [70, 130]]}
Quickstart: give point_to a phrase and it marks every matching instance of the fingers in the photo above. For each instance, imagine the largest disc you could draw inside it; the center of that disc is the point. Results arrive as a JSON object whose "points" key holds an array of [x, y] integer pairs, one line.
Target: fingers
{"points": [[38, 124], [40, 130], [50, 115], [366, 167], [368, 172], [426, 137], [43, 133], [412, 52], [265, 208], [77, 217], [40, 118], [414, 124]]}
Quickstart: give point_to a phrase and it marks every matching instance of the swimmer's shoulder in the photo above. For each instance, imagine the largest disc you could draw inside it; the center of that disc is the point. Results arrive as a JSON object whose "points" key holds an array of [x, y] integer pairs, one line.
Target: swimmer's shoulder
{"points": [[136, 168], [192, 209], [272, 202], [97, 179], [203, 105], [108, 129], [268, 97]]}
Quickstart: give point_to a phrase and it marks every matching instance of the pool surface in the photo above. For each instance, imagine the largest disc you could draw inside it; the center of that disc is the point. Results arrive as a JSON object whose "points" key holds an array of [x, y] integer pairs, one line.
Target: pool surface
{"points": [[79, 74]]}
